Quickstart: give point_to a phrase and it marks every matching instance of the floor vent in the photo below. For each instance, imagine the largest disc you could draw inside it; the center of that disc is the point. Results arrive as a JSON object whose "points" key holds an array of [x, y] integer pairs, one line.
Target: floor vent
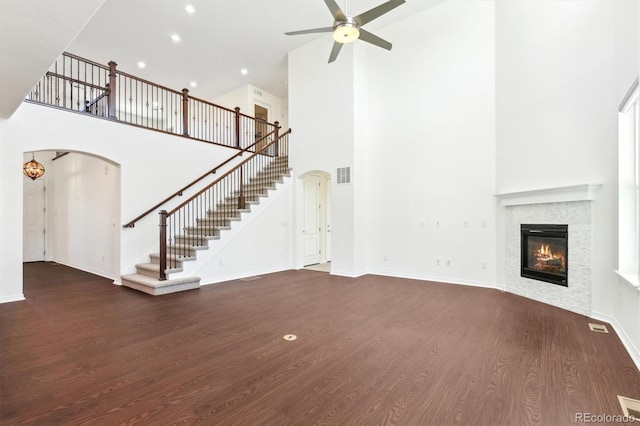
{"points": [[253, 278], [630, 407], [599, 328]]}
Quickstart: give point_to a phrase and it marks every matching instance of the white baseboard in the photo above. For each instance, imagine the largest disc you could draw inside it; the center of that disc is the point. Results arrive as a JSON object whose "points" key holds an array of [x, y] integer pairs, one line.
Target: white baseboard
{"points": [[89, 270], [444, 280], [624, 338], [12, 298], [245, 274]]}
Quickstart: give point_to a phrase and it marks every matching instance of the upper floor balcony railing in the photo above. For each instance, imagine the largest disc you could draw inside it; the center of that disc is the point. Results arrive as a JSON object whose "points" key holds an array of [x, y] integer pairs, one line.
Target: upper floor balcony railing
{"points": [[84, 86]]}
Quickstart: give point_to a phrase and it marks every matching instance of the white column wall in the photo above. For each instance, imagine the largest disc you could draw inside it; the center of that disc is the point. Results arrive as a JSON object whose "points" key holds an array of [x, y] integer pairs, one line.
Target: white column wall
{"points": [[321, 114], [10, 218]]}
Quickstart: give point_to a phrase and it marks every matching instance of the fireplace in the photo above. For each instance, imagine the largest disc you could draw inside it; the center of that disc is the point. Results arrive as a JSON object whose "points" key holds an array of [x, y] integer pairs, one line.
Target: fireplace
{"points": [[544, 253]]}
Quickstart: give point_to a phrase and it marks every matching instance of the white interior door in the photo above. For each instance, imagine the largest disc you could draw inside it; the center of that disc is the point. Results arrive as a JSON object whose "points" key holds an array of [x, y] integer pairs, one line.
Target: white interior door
{"points": [[311, 225], [33, 221]]}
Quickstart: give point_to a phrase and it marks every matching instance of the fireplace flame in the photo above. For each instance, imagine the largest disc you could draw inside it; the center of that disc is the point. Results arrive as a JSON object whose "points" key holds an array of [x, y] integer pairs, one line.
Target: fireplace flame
{"points": [[545, 256]]}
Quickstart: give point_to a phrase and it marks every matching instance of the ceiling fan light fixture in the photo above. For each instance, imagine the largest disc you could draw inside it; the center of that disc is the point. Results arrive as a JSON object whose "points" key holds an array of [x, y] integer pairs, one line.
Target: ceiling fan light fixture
{"points": [[346, 32]]}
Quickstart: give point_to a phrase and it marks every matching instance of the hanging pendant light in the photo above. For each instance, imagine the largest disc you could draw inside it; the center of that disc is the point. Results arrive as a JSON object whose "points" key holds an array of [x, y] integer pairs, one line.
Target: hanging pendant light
{"points": [[33, 169]]}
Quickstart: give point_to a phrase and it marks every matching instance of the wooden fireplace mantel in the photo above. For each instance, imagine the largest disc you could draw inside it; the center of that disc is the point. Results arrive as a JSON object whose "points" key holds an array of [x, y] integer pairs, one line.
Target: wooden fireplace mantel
{"points": [[561, 194]]}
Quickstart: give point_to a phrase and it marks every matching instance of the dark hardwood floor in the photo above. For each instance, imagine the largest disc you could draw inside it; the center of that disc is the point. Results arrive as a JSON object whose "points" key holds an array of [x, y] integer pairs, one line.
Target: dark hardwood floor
{"points": [[372, 350]]}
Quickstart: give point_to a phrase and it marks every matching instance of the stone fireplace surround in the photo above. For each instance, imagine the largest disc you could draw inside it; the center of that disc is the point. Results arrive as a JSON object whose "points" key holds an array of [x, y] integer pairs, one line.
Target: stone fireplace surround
{"points": [[571, 205]]}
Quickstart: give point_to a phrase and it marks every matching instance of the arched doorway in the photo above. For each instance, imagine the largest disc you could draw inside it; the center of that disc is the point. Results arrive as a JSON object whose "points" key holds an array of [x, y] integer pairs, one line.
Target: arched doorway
{"points": [[82, 214], [315, 224]]}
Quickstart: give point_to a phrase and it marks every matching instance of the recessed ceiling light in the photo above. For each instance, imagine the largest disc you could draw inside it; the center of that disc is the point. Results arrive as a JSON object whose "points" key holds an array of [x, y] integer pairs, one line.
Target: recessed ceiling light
{"points": [[141, 64], [175, 37], [193, 84], [244, 71], [189, 8]]}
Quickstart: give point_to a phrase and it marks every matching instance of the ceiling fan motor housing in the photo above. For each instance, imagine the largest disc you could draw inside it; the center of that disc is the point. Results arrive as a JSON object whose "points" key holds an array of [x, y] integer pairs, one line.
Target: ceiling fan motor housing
{"points": [[346, 31]]}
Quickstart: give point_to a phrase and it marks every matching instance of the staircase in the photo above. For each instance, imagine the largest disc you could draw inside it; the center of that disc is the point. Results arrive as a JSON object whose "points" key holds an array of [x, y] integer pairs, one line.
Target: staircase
{"points": [[202, 234]]}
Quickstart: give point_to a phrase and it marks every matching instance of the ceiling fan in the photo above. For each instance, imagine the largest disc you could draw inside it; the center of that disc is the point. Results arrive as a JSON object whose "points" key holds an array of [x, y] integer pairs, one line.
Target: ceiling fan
{"points": [[347, 29]]}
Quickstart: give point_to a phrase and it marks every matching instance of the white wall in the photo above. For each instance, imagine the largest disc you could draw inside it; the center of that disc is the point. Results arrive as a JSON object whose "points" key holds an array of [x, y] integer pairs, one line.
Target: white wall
{"points": [[432, 146], [83, 199], [416, 126], [152, 165], [235, 98], [246, 96], [561, 70], [321, 102], [10, 219], [259, 244]]}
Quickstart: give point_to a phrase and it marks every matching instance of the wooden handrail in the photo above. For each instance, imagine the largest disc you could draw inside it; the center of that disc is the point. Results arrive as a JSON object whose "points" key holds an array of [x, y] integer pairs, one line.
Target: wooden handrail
{"points": [[178, 224], [132, 223], [139, 102], [71, 55], [229, 172], [211, 104], [75, 80], [160, 86]]}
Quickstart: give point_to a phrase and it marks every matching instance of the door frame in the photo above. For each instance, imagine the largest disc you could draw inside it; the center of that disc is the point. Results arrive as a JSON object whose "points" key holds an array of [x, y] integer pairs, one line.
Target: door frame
{"points": [[324, 218]]}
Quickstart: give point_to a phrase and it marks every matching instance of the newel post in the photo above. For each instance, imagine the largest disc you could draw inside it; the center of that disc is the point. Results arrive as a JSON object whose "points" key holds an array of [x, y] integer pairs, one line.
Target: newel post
{"points": [[163, 245], [112, 90], [277, 135], [237, 131], [185, 112]]}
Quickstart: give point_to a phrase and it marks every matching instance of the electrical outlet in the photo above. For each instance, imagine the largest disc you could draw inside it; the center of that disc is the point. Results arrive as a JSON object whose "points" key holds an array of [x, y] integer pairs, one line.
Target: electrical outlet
{"points": [[384, 258], [484, 265], [448, 263], [437, 262]]}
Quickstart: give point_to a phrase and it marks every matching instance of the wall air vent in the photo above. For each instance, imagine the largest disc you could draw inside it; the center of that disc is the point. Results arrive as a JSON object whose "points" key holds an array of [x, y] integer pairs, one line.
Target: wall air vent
{"points": [[343, 175]]}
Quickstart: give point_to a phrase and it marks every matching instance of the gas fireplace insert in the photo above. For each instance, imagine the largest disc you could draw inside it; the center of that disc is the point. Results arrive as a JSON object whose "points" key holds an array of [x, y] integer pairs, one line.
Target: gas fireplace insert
{"points": [[544, 252]]}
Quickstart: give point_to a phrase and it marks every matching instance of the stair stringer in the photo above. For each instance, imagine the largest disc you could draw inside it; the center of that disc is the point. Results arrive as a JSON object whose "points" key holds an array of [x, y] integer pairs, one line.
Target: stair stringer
{"points": [[206, 265]]}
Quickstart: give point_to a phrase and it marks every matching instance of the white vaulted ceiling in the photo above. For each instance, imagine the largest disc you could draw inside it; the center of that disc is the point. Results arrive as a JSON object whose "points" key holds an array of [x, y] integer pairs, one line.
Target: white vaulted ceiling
{"points": [[217, 41]]}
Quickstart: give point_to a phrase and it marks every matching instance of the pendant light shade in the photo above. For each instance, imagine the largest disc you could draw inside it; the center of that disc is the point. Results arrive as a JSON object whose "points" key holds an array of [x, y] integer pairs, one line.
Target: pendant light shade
{"points": [[33, 169]]}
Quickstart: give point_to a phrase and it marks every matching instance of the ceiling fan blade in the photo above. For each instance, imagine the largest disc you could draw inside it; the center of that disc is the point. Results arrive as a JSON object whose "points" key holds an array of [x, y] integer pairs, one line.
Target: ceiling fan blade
{"points": [[311, 31], [377, 11], [374, 39], [337, 13], [334, 51]]}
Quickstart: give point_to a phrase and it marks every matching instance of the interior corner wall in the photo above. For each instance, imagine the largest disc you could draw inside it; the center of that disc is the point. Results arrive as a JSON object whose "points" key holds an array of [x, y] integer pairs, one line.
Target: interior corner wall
{"points": [[431, 146], [246, 96], [83, 199], [321, 114], [560, 74]]}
